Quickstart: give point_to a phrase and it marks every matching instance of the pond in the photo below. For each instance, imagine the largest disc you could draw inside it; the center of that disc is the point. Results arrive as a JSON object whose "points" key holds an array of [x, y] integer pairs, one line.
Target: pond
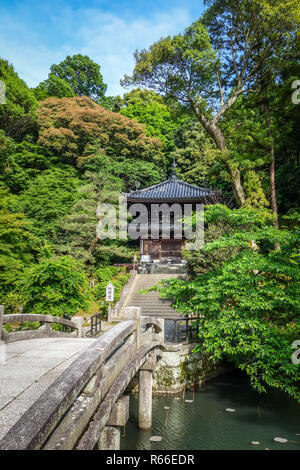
{"points": [[204, 423]]}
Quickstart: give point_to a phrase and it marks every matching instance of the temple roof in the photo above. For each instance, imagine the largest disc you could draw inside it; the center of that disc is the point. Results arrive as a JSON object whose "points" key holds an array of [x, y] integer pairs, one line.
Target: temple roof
{"points": [[173, 189]]}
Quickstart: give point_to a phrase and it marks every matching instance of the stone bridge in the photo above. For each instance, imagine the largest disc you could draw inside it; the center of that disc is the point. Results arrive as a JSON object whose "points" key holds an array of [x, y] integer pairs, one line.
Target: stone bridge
{"points": [[79, 400]]}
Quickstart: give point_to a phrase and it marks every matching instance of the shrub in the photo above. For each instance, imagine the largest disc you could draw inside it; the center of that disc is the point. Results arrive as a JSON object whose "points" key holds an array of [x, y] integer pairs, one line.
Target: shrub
{"points": [[55, 286]]}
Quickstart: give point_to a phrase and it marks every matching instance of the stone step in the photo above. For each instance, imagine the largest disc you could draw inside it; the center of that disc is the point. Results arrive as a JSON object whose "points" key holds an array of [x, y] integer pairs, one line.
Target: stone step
{"points": [[157, 310], [150, 303], [151, 298], [143, 302]]}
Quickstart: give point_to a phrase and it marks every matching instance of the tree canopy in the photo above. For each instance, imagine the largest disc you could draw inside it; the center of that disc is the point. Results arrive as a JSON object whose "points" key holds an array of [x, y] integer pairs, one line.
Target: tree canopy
{"points": [[216, 60], [72, 126], [80, 73], [247, 294]]}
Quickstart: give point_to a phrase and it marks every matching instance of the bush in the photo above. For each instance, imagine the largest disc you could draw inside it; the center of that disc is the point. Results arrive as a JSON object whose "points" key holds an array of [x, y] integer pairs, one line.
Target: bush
{"points": [[55, 286], [113, 274], [105, 274]]}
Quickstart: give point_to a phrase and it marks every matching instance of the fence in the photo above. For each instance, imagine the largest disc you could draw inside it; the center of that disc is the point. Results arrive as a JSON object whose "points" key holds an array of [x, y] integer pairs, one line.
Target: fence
{"points": [[95, 325], [181, 330]]}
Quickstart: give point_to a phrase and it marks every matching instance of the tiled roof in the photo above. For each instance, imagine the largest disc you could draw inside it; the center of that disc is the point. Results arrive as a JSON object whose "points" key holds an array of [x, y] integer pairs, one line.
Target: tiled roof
{"points": [[173, 189]]}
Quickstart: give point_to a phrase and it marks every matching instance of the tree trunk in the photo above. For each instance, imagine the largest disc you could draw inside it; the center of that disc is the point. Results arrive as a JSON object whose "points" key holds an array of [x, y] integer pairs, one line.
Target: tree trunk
{"points": [[215, 132], [96, 239], [272, 165]]}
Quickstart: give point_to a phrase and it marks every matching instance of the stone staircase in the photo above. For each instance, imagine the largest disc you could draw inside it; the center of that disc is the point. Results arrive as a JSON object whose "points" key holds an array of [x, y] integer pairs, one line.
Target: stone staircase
{"points": [[151, 304]]}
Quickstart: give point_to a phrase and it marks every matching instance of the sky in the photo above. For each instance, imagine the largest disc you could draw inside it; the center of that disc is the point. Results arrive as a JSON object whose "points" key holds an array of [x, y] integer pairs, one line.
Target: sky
{"points": [[36, 34]]}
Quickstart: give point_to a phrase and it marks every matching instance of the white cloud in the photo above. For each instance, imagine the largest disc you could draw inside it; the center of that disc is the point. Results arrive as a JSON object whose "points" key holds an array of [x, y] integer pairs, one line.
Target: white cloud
{"points": [[111, 41], [108, 39]]}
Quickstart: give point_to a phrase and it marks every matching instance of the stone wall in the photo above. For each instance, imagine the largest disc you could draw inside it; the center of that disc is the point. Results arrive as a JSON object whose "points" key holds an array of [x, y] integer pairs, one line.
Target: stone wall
{"points": [[178, 368]]}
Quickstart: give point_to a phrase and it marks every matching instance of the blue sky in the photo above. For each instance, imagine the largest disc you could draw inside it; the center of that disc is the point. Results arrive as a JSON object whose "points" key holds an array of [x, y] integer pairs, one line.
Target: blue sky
{"points": [[34, 35]]}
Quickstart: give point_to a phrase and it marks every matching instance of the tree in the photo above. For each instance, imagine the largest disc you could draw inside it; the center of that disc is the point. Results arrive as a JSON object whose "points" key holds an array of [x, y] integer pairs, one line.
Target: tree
{"points": [[82, 75], [196, 156], [247, 293], [186, 67], [69, 127], [284, 142], [21, 162], [18, 246], [77, 232], [18, 114], [53, 86], [55, 286], [149, 108], [48, 197]]}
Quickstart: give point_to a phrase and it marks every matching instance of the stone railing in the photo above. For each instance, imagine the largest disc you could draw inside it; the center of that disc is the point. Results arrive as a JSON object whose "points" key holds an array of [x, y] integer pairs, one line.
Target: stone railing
{"points": [[44, 331], [114, 313], [76, 407]]}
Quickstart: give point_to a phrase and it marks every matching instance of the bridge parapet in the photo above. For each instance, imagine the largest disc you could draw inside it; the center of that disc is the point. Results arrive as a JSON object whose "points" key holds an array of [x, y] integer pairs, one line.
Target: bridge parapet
{"points": [[61, 417], [44, 331]]}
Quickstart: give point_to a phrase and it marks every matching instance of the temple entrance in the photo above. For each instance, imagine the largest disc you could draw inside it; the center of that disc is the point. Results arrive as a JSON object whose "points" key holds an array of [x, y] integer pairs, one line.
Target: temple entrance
{"points": [[163, 249]]}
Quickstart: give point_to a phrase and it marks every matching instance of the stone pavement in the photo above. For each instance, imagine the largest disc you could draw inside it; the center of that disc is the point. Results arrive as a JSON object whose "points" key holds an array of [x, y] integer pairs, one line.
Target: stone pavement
{"points": [[30, 367]]}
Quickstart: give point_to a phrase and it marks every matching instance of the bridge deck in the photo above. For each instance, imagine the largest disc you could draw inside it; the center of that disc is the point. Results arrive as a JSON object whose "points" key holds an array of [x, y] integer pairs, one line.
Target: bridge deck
{"points": [[30, 367]]}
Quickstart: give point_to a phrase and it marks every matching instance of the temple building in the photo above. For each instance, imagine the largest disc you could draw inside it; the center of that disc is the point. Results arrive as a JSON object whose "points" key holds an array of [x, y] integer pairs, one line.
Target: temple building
{"points": [[161, 236]]}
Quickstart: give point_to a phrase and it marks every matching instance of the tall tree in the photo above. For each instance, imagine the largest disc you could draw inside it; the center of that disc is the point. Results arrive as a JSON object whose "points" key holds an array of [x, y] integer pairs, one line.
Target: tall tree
{"points": [[17, 244], [68, 127], [82, 74], [186, 67], [18, 113], [49, 196], [149, 108], [53, 86]]}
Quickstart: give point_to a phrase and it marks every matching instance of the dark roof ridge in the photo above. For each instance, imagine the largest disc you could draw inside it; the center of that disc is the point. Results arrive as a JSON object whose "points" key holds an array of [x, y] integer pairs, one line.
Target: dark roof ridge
{"points": [[168, 181]]}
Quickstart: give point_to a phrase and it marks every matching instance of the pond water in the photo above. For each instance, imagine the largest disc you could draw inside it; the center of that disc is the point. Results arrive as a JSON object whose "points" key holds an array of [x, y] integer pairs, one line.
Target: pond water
{"points": [[204, 423]]}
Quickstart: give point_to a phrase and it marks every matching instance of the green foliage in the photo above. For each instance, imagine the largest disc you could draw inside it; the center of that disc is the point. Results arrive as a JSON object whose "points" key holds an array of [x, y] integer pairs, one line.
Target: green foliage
{"points": [[106, 273], [55, 286], [53, 86], [74, 128], [48, 197], [81, 74], [18, 114], [181, 67], [195, 155], [248, 296], [149, 108], [117, 276], [255, 196], [21, 162], [17, 244], [76, 232]]}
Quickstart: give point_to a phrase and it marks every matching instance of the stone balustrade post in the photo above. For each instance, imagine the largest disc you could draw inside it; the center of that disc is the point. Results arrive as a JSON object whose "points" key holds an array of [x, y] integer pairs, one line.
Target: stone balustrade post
{"points": [[78, 321], [1, 321], [134, 313]]}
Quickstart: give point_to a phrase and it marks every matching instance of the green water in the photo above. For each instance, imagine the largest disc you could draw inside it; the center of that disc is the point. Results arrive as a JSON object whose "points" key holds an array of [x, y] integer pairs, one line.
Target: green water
{"points": [[204, 424]]}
